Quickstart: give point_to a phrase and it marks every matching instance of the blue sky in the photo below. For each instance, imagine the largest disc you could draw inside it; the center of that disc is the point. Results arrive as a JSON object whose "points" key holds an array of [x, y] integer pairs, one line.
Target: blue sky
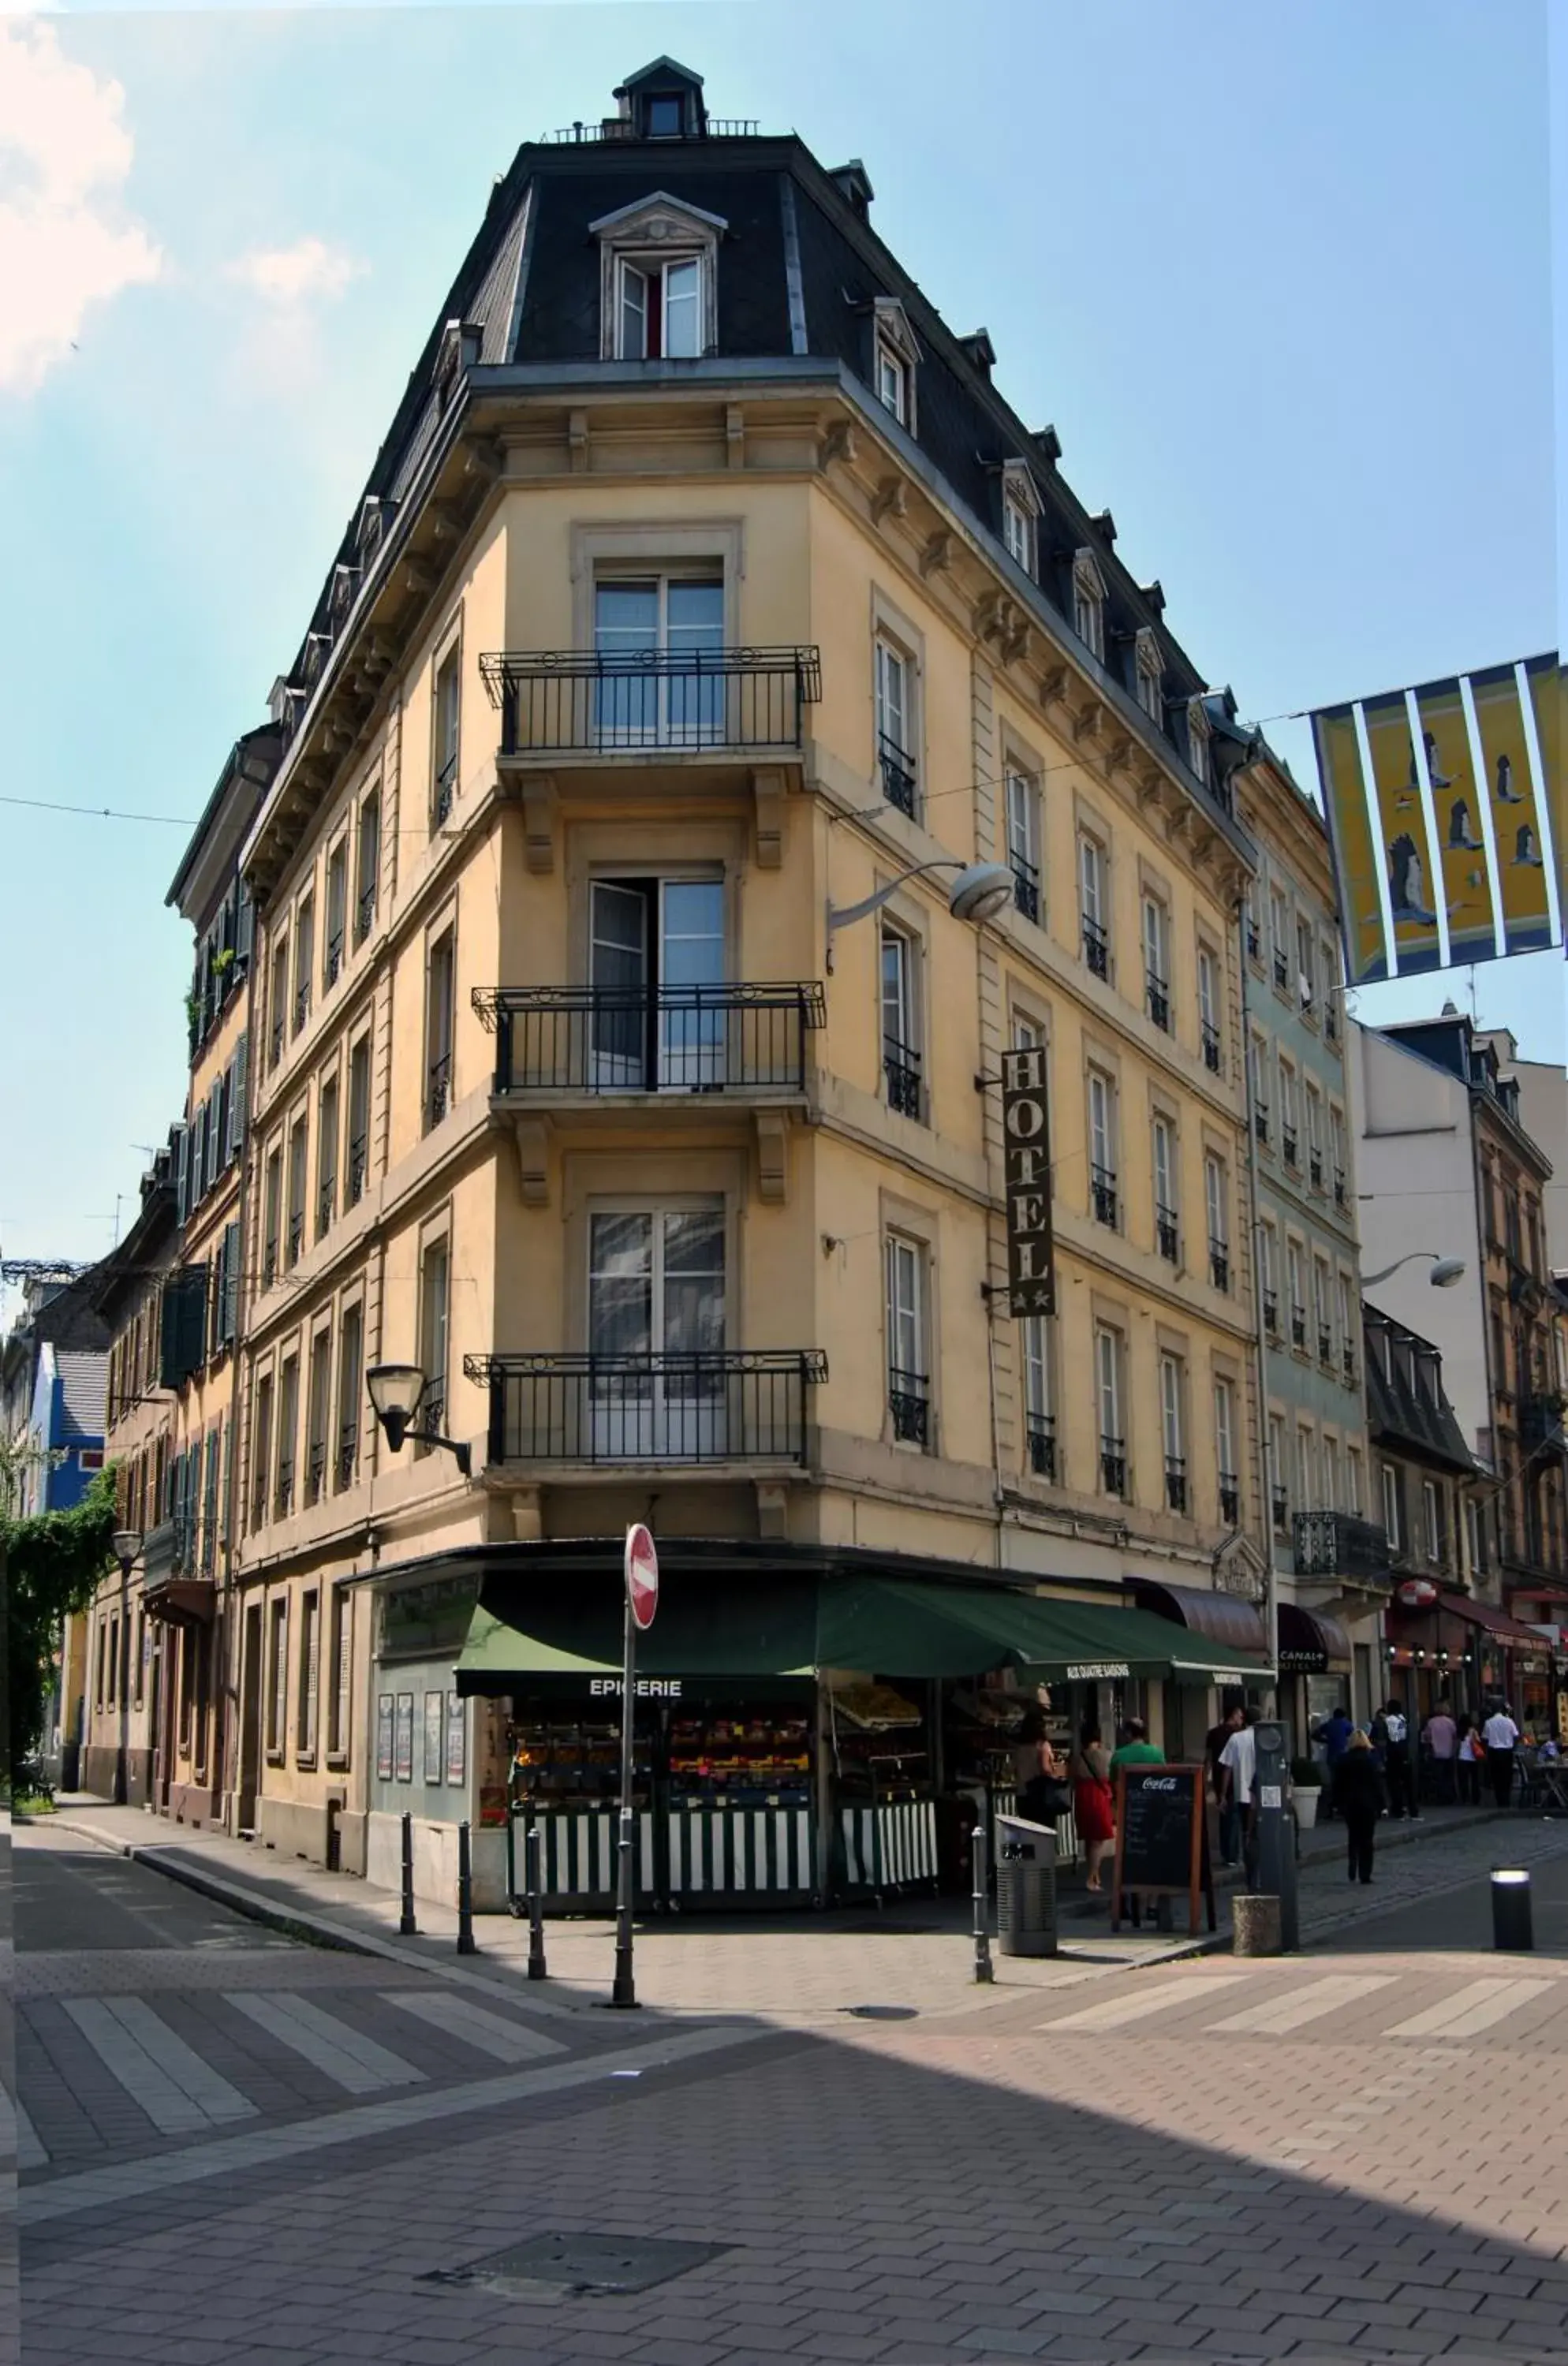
{"points": [[1280, 278]]}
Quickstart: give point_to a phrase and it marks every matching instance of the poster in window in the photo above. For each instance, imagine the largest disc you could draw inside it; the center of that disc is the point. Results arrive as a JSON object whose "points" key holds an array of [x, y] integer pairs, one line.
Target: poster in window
{"points": [[384, 1737], [405, 1738], [432, 1737], [456, 1739]]}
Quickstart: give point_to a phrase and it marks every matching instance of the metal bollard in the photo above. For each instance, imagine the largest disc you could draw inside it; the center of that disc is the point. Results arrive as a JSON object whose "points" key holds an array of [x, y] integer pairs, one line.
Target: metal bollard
{"points": [[1513, 1931], [466, 1945], [406, 1927], [984, 1971], [533, 1851]]}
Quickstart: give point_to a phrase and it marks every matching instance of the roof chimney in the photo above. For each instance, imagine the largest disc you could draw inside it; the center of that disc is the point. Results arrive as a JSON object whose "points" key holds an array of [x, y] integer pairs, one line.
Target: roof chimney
{"points": [[980, 350], [853, 183]]}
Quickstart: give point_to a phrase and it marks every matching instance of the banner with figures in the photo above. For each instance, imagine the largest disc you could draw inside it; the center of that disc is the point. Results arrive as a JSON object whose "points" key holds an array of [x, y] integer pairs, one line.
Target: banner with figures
{"points": [[1446, 807]]}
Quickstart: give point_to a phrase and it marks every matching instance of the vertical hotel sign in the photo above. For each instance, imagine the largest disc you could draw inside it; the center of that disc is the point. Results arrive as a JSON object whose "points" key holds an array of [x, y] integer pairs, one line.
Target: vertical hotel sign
{"points": [[1026, 1138], [1446, 807]]}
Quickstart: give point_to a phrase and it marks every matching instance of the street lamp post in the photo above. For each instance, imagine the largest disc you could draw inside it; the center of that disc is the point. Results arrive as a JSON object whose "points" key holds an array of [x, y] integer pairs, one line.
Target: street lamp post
{"points": [[396, 1390], [1444, 1271], [127, 1551], [980, 891]]}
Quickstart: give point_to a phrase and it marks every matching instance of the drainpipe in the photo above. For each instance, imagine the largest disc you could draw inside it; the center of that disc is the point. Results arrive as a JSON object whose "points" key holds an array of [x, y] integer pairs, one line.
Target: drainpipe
{"points": [[1261, 1351], [229, 1639]]}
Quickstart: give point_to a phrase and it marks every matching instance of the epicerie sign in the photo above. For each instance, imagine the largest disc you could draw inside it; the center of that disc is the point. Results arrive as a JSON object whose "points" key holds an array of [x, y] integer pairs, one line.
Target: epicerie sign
{"points": [[1092, 1670], [643, 1687]]}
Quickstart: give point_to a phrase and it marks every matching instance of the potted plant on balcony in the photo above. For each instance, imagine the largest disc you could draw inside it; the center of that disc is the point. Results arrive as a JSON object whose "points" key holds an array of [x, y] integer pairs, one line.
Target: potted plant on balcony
{"points": [[1307, 1782]]}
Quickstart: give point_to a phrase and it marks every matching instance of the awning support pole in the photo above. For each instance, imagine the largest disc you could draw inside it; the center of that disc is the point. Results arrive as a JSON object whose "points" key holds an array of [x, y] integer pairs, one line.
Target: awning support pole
{"points": [[624, 1991]]}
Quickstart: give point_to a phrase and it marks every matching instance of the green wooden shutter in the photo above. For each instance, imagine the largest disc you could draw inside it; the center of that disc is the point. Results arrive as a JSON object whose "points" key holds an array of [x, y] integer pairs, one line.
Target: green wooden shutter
{"points": [[182, 1170], [209, 1509], [245, 929], [230, 1320], [239, 1068]]}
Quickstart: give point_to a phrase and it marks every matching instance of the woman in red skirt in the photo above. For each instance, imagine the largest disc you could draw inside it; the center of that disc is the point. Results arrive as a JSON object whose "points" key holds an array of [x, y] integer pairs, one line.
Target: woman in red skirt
{"points": [[1092, 1807]]}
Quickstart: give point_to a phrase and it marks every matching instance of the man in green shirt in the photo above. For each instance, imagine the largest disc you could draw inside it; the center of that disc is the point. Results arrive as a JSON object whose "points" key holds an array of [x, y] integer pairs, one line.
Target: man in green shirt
{"points": [[1135, 1749]]}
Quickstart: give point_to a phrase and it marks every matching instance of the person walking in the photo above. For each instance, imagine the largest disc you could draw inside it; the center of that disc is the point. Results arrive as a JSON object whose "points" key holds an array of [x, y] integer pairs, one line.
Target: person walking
{"points": [[1333, 1734], [1238, 1763], [1467, 1759], [1092, 1806], [1501, 1736], [1441, 1738], [1358, 1795], [1398, 1774], [1135, 1749], [1230, 1821]]}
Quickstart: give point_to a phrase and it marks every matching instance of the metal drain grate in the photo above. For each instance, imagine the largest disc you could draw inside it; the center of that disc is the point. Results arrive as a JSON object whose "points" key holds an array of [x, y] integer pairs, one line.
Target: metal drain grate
{"points": [[556, 2266], [882, 2012]]}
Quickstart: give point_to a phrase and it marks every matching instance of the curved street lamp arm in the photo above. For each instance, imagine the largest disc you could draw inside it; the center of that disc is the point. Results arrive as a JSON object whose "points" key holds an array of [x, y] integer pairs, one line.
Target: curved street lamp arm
{"points": [[842, 916]]}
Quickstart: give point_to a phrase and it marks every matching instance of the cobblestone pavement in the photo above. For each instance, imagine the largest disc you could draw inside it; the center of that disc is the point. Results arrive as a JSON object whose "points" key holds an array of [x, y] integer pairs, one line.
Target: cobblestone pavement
{"points": [[1348, 2156]]}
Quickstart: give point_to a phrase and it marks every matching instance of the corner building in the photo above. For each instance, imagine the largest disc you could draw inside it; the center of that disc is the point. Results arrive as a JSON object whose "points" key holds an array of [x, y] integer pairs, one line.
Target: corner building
{"points": [[622, 1065]]}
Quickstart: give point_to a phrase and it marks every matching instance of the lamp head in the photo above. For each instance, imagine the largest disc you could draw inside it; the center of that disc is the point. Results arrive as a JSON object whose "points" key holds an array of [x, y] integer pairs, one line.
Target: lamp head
{"points": [[1446, 1272], [395, 1394], [980, 891], [126, 1546]]}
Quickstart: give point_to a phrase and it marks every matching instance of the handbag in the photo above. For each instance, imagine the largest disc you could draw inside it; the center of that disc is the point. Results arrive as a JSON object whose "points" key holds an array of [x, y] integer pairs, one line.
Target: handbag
{"points": [[1045, 1799]]}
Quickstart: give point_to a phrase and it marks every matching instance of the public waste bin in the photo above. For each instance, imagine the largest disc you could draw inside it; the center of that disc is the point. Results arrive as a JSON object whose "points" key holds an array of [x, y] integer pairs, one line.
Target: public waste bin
{"points": [[1026, 1887]]}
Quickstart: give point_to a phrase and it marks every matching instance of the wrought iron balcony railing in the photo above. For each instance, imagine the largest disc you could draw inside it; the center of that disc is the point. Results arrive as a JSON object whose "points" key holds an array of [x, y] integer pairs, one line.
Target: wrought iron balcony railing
{"points": [[334, 957], [901, 1069], [1339, 1186], [1095, 947], [1298, 1326], [1041, 1436], [1211, 1047], [326, 1204], [1314, 1170], [1325, 1344], [365, 914], [1348, 1367], [1279, 1505], [282, 1492], [1114, 1465], [1281, 969], [1260, 1122], [897, 768], [1175, 1482], [296, 1235], [732, 1405], [316, 1470], [909, 1406], [1254, 943], [1288, 1144], [437, 1090], [356, 1169], [1271, 1313], [1157, 996], [1336, 1544], [1230, 1499], [1168, 1234], [301, 1006], [555, 701], [1025, 885], [1219, 1264], [1102, 1195], [673, 1039], [615, 127], [445, 790], [347, 1454]]}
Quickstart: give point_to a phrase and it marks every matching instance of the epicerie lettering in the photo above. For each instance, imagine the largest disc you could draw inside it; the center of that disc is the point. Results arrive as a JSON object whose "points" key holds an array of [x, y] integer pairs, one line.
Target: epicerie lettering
{"points": [[643, 1687]]}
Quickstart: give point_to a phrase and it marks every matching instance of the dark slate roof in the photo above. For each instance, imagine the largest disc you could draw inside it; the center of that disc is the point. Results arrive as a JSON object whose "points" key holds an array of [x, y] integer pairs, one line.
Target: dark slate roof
{"points": [[1406, 1408]]}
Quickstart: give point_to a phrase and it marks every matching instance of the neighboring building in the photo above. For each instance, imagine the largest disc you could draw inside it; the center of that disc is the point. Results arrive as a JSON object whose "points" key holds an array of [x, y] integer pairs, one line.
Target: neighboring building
{"points": [[185, 1555], [1329, 1554], [129, 1294], [1446, 1165], [1543, 1113], [52, 1389], [704, 588]]}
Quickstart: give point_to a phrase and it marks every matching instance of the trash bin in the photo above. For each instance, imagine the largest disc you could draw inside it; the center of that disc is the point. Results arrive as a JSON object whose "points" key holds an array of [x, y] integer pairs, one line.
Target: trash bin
{"points": [[1026, 1887]]}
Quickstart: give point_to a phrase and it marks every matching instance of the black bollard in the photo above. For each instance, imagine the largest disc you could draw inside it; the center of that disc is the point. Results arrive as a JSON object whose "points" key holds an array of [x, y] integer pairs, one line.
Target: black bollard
{"points": [[983, 1967], [1513, 1931], [533, 1851], [466, 1945], [406, 1927]]}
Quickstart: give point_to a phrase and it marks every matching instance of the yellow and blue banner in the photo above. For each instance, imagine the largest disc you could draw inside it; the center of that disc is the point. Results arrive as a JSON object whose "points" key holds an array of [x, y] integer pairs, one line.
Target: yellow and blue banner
{"points": [[1445, 810]]}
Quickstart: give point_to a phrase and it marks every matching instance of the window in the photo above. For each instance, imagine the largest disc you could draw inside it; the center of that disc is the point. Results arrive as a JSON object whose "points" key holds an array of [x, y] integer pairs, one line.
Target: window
{"points": [[908, 1386], [1391, 1504], [369, 866], [1208, 1008], [299, 1146], [645, 935], [1198, 740], [1328, 971], [448, 699], [277, 1001], [316, 1417], [1332, 1500], [1156, 962], [1268, 1276], [1107, 1396], [440, 986], [309, 1675], [900, 1051], [1093, 905], [1320, 1307], [1088, 604], [1306, 969], [1476, 1531], [656, 1294], [1279, 935], [435, 1290], [1288, 1115], [304, 956], [340, 1670], [1149, 671], [261, 1451], [1253, 926], [1306, 1470], [1298, 1294], [350, 1358], [658, 310], [1355, 1495], [326, 1156], [277, 1678], [287, 1437], [1315, 1137], [1167, 1227], [1225, 1453], [895, 378], [1023, 842], [1431, 1520], [1040, 1425], [358, 1118], [1103, 1148], [1337, 1156], [1171, 1432], [659, 641], [895, 726], [337, 912], [1256, 1054], [272, 1214], [1217, 1197], [1346, 1330]]}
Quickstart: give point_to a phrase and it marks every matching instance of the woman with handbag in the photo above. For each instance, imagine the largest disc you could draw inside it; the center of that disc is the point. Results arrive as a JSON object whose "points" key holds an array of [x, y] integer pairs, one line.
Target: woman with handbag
{"points": [[1092, 1802], [1047, 1796]]}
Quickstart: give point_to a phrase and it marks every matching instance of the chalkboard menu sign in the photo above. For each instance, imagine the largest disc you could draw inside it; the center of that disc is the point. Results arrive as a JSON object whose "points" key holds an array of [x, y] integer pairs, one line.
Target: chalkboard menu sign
{"points": [[1162, 1839]]}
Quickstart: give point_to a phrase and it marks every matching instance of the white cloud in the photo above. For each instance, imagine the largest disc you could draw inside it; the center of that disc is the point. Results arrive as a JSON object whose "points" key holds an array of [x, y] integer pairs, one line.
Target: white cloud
{"points": [[65, 156], [307, 272]]}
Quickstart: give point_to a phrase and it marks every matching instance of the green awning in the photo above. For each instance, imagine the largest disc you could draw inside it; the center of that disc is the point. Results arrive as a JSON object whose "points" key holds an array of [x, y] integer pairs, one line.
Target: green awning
{"points": [[898, 1627]]}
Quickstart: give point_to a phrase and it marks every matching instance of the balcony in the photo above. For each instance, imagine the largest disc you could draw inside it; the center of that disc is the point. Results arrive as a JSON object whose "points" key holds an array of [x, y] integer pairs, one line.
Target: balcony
{"points": [[1254, 943], [1219, 1264], [1336, 1544], [897, 769], [1540, 1418], [1324, 1346], [1157, 995], [356, 1169], [1168, 1235], [1271, 1313], [1175, 1482], [443, 793], [1025, 885], [1314, 1170], [1041, 1437], [901, 1070], [1281, 970], [1102, 1195], [560, 1039], [909, 1406], [1339, 1186], [592, 702], [1298, 1326], [437, 1090], [1230, 1499], [1260, 1122], [364, 914], [1096, 948], [736, 1405], [1114, 1465], [1288, 1144], [1211, 1047], [347, 1456], [1279, 1510]]}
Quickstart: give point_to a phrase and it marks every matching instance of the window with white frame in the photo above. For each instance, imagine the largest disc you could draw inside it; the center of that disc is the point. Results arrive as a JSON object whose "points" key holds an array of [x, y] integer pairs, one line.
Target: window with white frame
{"points": [[1017, 532], [659, 636], [1102, 1147], [1315, 1137], [1476, 1531], [1390, 1505], [1040, 1424], [1354, 1493], [1089, 603], [1156, 962], [434, 1296], [1209, 1008], [1290, 1114], [1093, 909], [1306, 1469], [1216, 1204], [1170, 1385], [278, 1677], [1278, 1490], [1298, 1293], [1332, 1500], [1306, 968], [659, 307], [1337, 1155], [443, 744], [1431, 1519], [1107, 1396], [1149, 674], [900, 1022], [1279, 936], [897, 355], [895, 752], [340, 1670], [1023, 839], [1269, 1274], [310, 1675], [1321, 1307], [1347, 1328], [909, 1384], [1166, 1221], [1198, 740], [1225, 1453]]}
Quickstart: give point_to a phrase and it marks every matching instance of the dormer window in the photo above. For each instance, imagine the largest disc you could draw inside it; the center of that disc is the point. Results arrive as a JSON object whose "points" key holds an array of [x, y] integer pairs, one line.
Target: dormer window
{"points": [[1021, 509], [1198, 740], [666, 115], [658, 281], [897, 355], [1089, 603], [1149, 670]]}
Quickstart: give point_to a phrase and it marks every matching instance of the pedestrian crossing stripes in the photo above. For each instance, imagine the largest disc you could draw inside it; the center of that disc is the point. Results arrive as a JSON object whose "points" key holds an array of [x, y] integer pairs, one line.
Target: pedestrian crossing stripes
{"points": [[489, 2032], [1469, 2010], [181, 2094], [354, 2062], [1293, 2012], [1200, 1987]]}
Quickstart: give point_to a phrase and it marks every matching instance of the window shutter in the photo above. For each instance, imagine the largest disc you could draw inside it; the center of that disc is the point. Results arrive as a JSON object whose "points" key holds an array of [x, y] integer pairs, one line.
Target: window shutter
{"points": [[197, 1163], [182, 1168], [230, 1320], [239, 1068], [216, 1128], [169, 1373], [182, 1326], [209, 1509]]}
